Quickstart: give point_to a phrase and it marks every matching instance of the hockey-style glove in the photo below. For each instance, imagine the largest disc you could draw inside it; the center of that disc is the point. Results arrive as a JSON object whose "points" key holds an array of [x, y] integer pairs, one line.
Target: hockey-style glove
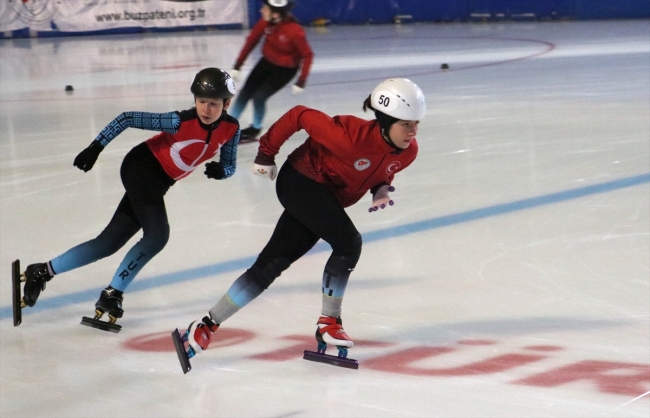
{"points": [[296, 89], [265, 166], [214, 170], [86, 158], [380, 198], [234, 74]]}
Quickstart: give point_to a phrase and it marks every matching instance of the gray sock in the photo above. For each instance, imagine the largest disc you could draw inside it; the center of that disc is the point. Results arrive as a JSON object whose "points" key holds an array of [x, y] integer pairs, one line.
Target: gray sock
{"points": [[224, 309], [332, 306]]}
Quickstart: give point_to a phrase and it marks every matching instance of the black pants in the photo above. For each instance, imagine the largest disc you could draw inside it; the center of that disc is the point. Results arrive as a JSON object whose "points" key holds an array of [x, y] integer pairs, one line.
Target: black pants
{"points": [[141, 207], [263, 82], [310, 213]]}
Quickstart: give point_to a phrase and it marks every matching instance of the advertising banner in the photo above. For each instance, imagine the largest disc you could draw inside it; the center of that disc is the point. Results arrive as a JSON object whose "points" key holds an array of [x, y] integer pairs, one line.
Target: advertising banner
{"points": [[101, 15]]}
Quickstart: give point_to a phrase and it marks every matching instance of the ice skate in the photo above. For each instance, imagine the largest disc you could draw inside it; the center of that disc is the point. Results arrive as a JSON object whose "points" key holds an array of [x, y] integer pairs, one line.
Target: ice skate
{"points": [[198, 337], [249, 135], [35, 278], [110, 302], [330, 330]]}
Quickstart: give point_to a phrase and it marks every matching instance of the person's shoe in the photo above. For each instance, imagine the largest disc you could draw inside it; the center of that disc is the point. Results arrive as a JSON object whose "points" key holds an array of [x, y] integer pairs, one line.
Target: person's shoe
{"points": [[249, 134], [331, 331], [199, 334], [110, 302], [36, 275]]}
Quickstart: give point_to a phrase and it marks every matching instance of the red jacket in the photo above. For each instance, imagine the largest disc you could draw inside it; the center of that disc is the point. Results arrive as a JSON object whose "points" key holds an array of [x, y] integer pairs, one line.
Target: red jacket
{"points": [[285, 46], [345, 153]]}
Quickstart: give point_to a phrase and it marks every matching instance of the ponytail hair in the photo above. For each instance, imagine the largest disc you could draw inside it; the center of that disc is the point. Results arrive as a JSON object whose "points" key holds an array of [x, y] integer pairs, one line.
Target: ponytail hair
{"points": [[383, 119], [367, 105]]}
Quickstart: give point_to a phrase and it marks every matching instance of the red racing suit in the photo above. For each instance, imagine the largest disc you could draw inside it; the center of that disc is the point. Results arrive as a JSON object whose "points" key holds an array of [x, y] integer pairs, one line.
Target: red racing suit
{"points": [[285, 46], [345, 153]]}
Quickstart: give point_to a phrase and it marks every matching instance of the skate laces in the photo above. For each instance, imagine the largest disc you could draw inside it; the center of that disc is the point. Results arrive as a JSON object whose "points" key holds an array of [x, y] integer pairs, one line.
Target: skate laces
{"points": [[111, 292]]}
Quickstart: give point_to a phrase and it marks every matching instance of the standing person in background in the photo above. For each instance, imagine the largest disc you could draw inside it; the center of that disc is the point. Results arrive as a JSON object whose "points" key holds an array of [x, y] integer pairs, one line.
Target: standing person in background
{"points": [[343, 158], [285, 50], [188, 138]]}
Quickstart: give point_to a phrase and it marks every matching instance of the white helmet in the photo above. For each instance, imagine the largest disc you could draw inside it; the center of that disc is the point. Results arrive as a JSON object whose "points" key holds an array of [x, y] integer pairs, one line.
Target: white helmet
{"points": [[280, 4], [399, 98]]}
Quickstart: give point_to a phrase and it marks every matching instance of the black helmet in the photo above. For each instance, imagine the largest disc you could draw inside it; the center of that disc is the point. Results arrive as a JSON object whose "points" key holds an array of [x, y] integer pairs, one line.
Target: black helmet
{"points": [[213, 83]]}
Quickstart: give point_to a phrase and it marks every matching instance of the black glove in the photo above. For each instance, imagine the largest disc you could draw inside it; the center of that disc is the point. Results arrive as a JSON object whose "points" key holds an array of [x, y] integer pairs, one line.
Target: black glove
{"points": [[86, 158], [214, 170]]}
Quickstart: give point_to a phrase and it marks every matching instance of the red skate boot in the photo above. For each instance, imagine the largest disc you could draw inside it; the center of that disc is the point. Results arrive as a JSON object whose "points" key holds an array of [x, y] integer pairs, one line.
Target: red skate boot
{"points": [[197, 337], [330, 330]]}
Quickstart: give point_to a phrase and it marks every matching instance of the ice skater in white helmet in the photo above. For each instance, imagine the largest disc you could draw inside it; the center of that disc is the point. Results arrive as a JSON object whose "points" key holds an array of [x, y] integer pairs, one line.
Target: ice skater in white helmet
{"points": [[343, 158]]}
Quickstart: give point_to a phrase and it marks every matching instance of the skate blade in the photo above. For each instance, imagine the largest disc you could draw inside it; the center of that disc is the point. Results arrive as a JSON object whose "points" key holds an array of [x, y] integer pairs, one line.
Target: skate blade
{"points": [[348, 363], [15, 286], [180, 351], [248, 140], [103, 325]]}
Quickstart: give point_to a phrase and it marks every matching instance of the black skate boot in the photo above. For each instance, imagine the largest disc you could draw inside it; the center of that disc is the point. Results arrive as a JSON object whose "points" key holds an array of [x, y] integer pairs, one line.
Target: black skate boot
{"points": [[35, 277], [110, 301], [248, 135]]}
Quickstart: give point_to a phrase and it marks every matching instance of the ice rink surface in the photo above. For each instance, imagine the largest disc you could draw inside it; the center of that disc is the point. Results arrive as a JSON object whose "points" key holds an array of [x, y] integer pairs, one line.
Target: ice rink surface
{"points": [[510, 278]]}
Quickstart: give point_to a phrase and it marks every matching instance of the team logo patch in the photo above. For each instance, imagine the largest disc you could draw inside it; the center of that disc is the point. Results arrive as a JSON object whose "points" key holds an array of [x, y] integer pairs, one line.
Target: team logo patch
{"points": [[34, 12], [393, 167], [361, 164]]}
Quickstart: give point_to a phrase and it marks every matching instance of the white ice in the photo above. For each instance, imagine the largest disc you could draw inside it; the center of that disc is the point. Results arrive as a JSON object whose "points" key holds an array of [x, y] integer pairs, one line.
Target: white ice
{"points": [[510, 279]]}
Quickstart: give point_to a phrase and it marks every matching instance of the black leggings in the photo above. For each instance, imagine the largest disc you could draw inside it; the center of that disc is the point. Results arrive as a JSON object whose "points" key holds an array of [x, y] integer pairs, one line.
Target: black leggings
{"points": [[311, 212], [141, 207], [263, 82]]}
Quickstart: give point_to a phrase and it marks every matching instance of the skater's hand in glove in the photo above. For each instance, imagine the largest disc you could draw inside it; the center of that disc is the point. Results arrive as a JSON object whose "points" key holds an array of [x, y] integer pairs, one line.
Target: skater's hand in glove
{"points": [[234, 74], [380, 198], [265, 166], [86, 158], [296, 89], [214, 170]]}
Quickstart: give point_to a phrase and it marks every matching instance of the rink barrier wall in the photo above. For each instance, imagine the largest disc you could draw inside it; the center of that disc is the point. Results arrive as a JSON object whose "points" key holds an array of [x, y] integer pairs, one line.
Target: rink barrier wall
{"points": [[354, 12], [321, 12]]}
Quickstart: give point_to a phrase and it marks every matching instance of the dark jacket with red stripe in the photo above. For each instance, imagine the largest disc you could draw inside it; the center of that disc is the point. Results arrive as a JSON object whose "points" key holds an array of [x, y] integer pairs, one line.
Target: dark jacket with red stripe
{"points": [[285, 46], [345, 153]]}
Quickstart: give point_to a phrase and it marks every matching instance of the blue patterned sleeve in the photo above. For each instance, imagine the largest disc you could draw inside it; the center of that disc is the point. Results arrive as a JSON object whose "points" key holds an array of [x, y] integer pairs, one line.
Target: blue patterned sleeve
{"points": [[163, 122], [228, 155]]}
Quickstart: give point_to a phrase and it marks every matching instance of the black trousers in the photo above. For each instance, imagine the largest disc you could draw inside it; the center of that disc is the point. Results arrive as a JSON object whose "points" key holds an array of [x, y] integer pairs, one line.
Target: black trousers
{"points": [[310, 213]]}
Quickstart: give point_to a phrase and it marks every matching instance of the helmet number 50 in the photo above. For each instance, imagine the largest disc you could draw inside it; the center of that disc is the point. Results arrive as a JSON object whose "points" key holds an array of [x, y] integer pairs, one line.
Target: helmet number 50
{"points": [[384, 101]]}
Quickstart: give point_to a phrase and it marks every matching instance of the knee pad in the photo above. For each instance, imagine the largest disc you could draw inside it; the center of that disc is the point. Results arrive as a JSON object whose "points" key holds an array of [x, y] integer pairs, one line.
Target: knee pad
{"points": [[265, 276], [349, 259]]}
